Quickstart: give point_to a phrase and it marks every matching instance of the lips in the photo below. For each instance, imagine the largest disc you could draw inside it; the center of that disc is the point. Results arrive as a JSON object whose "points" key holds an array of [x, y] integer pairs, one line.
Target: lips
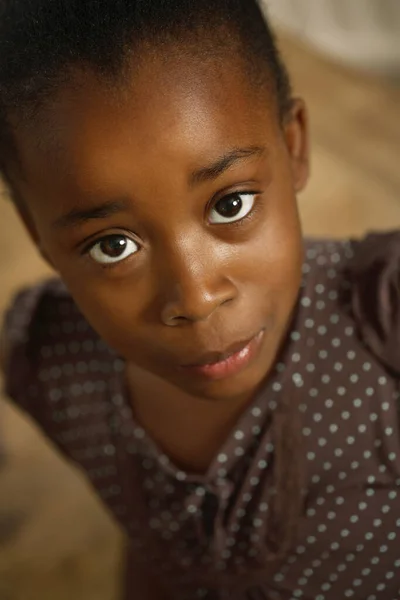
{"points": [[215, 366], [210, 358]]}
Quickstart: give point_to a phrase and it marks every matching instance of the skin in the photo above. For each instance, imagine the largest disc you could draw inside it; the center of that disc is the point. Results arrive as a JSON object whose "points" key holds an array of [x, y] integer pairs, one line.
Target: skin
{"points": [[193, 286]]}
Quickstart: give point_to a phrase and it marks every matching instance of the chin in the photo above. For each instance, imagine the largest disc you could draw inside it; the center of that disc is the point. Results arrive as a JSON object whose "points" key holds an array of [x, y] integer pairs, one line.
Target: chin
{"points": [[240, 387]]}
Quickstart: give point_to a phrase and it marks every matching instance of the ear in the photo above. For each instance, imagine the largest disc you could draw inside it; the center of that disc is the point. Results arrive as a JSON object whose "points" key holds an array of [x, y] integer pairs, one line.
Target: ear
{"points": [[296, 130], [30, 226]]}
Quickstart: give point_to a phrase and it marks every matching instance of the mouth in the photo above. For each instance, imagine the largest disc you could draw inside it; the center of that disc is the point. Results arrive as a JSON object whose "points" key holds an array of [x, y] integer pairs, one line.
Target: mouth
{"points": [[219, 365]]}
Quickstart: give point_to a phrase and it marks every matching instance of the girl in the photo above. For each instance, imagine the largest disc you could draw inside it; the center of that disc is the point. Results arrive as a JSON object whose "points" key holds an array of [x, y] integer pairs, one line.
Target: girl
{"points": [[230, 390]]}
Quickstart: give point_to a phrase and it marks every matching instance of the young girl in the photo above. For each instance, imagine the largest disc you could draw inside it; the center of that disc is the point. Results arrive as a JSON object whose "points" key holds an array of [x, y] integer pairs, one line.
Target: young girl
{"points": [[230, 391]]}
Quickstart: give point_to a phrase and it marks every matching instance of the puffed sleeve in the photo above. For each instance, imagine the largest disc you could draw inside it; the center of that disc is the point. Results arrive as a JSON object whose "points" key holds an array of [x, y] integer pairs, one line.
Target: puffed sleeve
{"points": [[23, 337], [373, 276], [17, 350]]}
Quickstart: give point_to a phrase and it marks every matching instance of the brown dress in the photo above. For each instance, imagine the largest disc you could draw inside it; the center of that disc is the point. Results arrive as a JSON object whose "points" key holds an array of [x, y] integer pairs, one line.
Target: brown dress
{"points": [[206, 535]]}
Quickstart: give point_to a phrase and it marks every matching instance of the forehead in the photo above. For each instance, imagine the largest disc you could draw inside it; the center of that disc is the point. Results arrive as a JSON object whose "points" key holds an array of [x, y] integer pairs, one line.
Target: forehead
{"points": [[172, 110]]}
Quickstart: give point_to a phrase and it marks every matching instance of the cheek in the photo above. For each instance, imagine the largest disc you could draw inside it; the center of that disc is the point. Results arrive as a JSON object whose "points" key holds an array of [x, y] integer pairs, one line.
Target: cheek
{"points": [[276, 258], [278, 249], [113, 310]]}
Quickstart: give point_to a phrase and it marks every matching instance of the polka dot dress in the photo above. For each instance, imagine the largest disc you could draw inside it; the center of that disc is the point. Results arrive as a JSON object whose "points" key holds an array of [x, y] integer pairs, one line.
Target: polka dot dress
{"points": [[205, 537]]}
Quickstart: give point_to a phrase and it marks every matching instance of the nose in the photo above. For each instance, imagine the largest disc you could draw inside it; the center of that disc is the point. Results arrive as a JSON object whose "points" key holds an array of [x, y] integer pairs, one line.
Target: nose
{"points": [[195, 288]]}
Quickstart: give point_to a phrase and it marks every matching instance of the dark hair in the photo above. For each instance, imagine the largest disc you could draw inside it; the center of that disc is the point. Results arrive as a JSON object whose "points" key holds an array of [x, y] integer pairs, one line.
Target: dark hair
{"points": [[42, 40]]}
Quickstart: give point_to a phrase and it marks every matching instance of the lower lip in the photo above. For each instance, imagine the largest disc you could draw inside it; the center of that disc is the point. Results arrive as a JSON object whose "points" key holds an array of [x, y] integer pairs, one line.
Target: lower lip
{"points": [[231, 365]]}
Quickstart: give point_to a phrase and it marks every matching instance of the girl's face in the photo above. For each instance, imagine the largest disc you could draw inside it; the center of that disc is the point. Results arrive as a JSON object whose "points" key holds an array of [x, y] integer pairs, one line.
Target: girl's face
{"points": [[169, 210]]}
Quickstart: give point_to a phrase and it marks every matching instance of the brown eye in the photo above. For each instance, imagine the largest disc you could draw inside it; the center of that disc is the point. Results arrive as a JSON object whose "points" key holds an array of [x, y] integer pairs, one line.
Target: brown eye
{"points": [[113, 249], [232, 208]]}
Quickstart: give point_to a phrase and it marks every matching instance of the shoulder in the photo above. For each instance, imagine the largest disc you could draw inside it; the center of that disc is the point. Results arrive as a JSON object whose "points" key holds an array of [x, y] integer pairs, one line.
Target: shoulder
{"points": [[364, 276], [374, 294], [44, 337]]}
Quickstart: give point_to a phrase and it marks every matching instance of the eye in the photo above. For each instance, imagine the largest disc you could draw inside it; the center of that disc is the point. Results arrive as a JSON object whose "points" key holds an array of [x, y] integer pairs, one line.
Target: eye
{"points": [[113, 249], [233, 207]]}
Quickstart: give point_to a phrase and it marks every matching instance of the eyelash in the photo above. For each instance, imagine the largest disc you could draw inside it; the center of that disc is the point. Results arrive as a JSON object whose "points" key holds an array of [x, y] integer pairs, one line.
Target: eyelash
{"points": [[236, 224], [241, 222]]}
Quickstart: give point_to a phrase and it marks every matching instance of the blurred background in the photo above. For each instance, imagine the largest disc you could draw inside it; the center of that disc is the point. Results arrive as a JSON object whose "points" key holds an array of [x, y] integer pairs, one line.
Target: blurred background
{"points": [[56, 541]]}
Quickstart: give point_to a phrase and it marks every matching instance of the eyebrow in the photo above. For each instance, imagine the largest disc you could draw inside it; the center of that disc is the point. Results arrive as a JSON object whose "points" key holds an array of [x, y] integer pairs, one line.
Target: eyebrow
{"points": [[101, 211], [211, 172], [223, 163]]}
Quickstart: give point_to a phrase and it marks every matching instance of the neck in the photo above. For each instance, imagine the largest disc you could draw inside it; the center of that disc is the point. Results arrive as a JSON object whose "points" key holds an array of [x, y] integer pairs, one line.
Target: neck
{"points": [[190, 430]]}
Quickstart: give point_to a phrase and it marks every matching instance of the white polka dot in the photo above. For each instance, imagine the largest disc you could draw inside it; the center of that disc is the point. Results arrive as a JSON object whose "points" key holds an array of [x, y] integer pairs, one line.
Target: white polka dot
{"points": [[345, 533], [139, 433], [354, 519], [389, 575], [298, 380]]}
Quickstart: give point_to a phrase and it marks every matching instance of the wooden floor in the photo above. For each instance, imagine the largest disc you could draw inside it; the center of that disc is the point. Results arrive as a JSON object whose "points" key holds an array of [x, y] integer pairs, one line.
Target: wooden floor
{"points": [[56, 542]]}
